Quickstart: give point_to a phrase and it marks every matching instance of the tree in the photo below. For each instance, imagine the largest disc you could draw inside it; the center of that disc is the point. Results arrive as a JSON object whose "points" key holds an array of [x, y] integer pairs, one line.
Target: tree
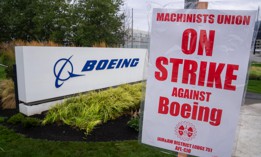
{"points": [[29, 19], [82, 22], [52, 20], [98, 21], [15, 19]]}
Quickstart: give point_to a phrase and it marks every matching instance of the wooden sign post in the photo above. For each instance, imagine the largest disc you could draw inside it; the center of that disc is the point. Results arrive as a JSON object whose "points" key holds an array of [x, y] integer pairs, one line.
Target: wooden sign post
{"points": [[202, 5]]}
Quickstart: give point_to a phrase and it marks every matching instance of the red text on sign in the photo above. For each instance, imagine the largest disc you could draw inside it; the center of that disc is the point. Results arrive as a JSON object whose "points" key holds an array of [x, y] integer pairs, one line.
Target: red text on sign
{"points": [[189, 42], [204, 73], [194, 112], [191, 94]]}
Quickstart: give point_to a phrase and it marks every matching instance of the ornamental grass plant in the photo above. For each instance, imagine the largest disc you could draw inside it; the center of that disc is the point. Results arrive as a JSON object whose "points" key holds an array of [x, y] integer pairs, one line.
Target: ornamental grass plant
{"points": [[89, 110], [7, 94]]}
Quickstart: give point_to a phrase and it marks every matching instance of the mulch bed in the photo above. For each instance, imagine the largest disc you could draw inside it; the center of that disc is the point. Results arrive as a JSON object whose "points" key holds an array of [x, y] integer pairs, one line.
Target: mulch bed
{"points": [[114, 130]]}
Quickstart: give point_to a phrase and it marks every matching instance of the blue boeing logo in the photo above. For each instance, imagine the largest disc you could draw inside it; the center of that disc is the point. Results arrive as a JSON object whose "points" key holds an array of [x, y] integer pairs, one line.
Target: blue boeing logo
{"points": [[63, 70]]}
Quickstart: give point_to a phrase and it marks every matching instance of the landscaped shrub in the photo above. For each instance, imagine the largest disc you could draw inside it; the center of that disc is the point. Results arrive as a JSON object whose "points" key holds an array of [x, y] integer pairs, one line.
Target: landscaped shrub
{"points": [[8, 56], [88, 110], [31, 122], [7, 94], [8, 59], [134, 123], [15, 119], [2, 73], [2, 119], [25, 121]]}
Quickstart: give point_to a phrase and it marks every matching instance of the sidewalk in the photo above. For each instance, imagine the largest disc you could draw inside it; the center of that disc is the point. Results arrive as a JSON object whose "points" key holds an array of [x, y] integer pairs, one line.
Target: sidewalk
{"points": [[249, 135]]}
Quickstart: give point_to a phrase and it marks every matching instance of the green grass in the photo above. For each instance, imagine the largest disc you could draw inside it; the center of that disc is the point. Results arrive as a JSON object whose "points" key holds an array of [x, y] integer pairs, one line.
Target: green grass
{"points": [[254, 86], [89, 110], [15, 145]]}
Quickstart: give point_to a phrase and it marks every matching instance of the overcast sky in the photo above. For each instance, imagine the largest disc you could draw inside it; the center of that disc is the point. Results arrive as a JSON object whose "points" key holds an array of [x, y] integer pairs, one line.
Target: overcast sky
{"points": [[142, 9]]}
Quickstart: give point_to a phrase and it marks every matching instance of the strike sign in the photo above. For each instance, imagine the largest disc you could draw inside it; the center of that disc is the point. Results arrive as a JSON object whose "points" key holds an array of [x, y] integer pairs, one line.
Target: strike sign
{"points": [[197, 74]]}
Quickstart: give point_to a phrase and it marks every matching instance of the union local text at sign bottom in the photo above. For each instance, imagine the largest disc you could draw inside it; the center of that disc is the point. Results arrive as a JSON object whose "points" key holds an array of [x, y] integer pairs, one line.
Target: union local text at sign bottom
{"points": [[184, 146]]}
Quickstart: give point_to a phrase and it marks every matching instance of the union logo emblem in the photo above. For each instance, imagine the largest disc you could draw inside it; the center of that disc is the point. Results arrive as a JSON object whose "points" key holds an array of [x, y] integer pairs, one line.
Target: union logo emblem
{"points": [[185, 131]]}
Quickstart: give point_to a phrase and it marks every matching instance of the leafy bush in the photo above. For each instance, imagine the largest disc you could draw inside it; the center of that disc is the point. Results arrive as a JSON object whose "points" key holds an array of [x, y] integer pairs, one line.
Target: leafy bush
{"points": [[2, 119], [31, 122], [2, 73], [25, 121], [88, 110], [134, 123], [7, 94], [8, 59], [15, 119]]}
